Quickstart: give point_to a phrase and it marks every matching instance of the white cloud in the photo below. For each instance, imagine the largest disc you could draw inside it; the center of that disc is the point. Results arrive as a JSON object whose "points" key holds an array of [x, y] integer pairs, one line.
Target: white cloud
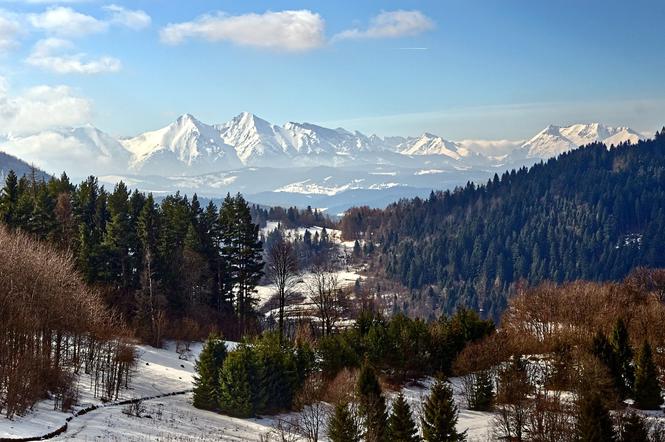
{"points": [[67, 22], [391, 24], [51, 55], [9, 31], [40, 108], [133, 19], [294, 31]]}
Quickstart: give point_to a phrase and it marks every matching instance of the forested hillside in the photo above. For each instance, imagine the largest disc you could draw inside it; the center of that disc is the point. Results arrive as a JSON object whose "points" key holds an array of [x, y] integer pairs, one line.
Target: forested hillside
{"points": [[168, 267], [593, 213]]}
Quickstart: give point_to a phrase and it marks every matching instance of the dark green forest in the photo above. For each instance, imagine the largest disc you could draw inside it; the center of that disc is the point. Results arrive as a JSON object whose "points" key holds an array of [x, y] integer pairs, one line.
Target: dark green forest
{"points": [[164, 266], [593, 214]]}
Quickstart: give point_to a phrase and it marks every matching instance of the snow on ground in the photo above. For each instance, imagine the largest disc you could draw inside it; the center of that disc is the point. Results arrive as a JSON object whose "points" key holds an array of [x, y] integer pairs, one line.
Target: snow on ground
{"points": [[158, 371], [345, 278], [174, 418], [167, 419], [477, 424]]}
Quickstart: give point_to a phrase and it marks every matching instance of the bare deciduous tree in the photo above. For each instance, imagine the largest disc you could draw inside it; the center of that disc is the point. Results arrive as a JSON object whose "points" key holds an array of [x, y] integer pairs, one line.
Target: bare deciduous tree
{"points": [[329, 300], [282, 272]]}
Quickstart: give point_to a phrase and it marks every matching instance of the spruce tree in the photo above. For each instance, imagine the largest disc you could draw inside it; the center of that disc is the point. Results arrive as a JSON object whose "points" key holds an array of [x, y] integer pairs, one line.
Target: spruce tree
{"points": [[9, 199], [633, 429], [242, 253], [371, 405], [206, 379], [594, 423], [602, 348], [647, 388], [401, 427], [482, 392], [343, 426], [623, 355], [440, 415], [239, 383]]}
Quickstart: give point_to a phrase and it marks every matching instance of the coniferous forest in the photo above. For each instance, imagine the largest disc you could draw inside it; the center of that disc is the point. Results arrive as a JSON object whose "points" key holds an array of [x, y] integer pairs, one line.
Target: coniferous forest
{"points": [[155, 262], [593, 213]]}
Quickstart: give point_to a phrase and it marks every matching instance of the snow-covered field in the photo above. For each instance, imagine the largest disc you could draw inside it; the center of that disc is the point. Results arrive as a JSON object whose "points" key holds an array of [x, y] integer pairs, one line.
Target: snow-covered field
{"points": [[174, 418]]}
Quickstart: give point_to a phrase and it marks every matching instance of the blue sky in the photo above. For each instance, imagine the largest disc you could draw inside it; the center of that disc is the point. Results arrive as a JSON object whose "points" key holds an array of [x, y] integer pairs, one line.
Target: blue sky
{"points": [[461, 69]]}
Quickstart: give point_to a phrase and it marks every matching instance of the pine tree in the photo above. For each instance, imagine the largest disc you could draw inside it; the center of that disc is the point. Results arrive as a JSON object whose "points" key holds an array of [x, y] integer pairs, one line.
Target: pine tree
{"points": [[371, 405], [278, 380], [343, 426], [648, 394], [482, 392], [440, 415], [594, 423], [9, 199], [206, 379], [92, 215], [120, 242], [602, 348], [623, 355], [242, 253], [148, 232], [633, 429], [42, 222], [401, 427], [239, 382]]}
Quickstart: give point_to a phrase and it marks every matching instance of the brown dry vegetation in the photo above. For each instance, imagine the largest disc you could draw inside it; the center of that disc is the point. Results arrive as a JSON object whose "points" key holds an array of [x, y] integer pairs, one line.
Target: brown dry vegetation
{"points": [[544, 319], [53, 328]]}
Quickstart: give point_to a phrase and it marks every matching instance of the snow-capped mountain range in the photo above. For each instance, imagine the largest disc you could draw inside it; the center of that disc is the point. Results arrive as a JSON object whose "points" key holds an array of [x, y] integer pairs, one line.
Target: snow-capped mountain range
{"points": [[251, 155], [190, 147]]}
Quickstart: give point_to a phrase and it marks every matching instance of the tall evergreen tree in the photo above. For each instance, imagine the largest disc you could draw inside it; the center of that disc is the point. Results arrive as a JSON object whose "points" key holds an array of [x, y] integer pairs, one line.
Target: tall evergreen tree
{"points": [[440, 415], [482, 392], [206, 380], [9, 199], [401, 427], [603, 350], [91, 211], [242, 252], [42, 222], [240, 383], [148, 232], [120, 241], [343, 426], [594, 423], [648, 394], [371, 405], [623, 354]]}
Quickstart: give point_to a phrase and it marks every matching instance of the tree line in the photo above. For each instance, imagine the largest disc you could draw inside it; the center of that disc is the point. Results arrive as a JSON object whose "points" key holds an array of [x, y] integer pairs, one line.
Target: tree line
{"points": [[270, 374], [593, 214], [158, 263]]}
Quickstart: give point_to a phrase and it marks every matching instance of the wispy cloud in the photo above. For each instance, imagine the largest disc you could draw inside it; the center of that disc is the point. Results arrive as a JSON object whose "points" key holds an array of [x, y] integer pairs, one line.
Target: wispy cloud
{"points": [[52, 54], [64, 21], [293, 31], [390, 24], [133, 19]]}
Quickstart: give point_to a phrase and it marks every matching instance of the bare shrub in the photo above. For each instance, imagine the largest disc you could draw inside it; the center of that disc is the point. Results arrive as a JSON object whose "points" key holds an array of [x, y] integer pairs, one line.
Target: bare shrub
{"points": [[52, 324]]}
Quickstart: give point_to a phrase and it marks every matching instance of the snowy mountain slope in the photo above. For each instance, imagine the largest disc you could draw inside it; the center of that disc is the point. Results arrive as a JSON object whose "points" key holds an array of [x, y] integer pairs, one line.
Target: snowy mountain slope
{"points": [[555, 140], [256, 141], [185, 144], [64, 149], [429, 144]]}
